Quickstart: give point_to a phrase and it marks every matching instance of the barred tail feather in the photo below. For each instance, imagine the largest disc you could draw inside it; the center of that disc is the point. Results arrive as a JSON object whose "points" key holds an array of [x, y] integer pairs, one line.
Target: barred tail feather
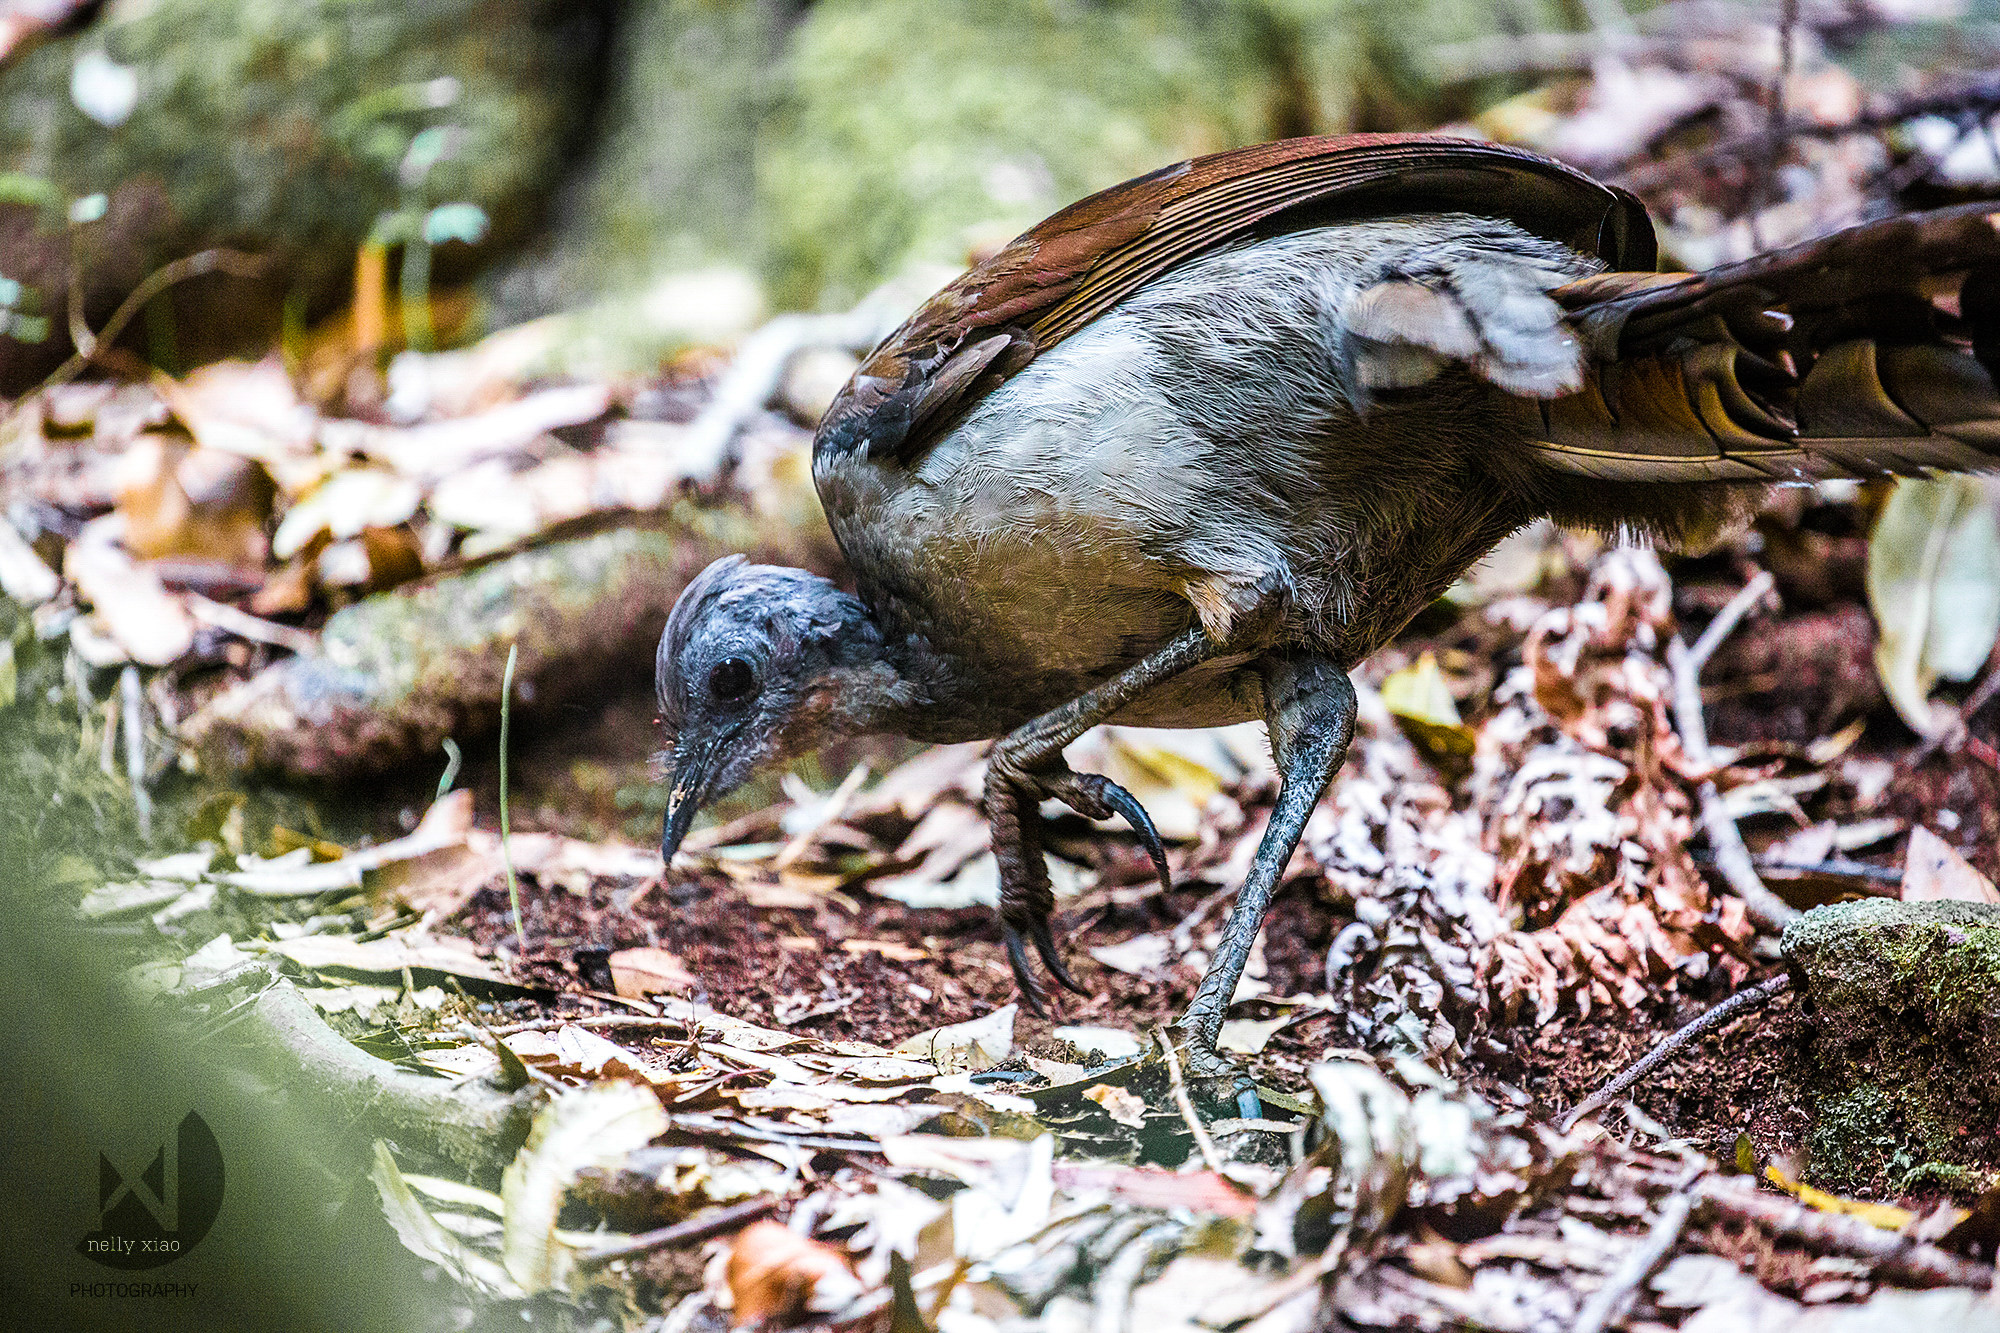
{"points": [[1867, 353]]}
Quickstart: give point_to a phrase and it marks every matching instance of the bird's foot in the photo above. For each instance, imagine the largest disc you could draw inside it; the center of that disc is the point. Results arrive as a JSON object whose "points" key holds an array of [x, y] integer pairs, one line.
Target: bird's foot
{"points": [[1014, 794], [1220, 1079]]}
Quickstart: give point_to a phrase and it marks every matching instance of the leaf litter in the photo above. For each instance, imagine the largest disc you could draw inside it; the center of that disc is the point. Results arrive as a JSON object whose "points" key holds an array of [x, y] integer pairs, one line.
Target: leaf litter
{"points": [[793, 1053]]}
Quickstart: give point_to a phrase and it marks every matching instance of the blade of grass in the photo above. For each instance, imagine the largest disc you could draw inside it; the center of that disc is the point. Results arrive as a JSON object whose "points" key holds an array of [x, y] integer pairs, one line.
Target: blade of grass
{"points": [[506, 847], [453, 757]]}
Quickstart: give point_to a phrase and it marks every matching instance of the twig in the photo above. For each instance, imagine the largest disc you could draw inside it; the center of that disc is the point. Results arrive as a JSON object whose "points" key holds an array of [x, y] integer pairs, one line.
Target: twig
{"points": [[1766, 192], [832, 809], [760, 364], [243, 625], [506, 845], [592, 1021], [1896, 1256], [1608, 1302], [233, 262], [1725, 623], [697, 1228], [1742, 1002], [135, 747], [1732, 858], [1978, 99], [1981, 696], [1202, 1141]]}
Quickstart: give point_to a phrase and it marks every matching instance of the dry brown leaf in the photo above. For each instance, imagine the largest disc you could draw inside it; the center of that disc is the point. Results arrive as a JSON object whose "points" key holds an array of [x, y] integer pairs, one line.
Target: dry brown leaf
{"points": [[639, 973], [1122, 1106], [1933, 871], [777, 1276]]}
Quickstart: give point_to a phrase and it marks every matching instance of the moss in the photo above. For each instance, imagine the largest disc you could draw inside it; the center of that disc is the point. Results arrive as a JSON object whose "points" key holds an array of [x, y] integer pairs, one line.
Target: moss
{"points": [[287, 127], [1854, 1138], [1906, 1052], [911, 131]]}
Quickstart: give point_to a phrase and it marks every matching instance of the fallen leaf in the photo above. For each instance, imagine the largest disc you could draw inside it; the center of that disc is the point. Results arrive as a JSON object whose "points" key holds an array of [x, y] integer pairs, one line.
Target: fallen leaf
{"points": [[979, 1043], [1421, 701], [1934, 584], [775, 1274], [1882, 1215], [147, 621], [1110, 1043], [1142, 955], [1934, 872], [1122, 1106], [597, 1125], [389, 954], [1249, 1036], [23, 575], [576, 1053], [638, 973], [424, 1237]]}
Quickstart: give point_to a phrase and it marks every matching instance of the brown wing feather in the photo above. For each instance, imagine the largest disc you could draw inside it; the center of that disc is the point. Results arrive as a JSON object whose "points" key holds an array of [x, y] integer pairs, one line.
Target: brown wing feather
{"points": [[1079, 263]]}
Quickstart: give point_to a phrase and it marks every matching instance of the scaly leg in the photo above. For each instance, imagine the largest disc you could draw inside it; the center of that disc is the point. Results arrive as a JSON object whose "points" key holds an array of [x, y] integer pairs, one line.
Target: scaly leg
{"points": [[1309, 706], [1026, 766]]}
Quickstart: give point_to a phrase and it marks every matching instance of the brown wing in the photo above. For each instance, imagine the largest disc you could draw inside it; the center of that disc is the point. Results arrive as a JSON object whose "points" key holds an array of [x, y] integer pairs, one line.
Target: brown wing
{"points": [[1870, 351], [1076, 265]]}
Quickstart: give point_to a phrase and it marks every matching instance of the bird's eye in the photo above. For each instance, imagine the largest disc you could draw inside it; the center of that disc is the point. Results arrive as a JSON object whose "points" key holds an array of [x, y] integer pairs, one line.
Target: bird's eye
{"points": [[731, 679]]}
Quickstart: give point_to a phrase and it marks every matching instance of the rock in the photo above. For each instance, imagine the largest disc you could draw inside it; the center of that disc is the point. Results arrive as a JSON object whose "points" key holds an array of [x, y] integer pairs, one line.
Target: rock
{"points": [[286, 127], [1905, 1002]]}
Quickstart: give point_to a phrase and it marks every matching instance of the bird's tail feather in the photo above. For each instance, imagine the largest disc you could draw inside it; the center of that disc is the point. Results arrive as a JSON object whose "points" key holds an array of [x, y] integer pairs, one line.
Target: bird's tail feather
{"points": [[1869, 352]]}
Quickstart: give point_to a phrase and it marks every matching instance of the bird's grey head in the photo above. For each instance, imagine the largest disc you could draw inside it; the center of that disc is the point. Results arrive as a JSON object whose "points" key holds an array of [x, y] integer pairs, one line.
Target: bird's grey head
{"points": [[758, 664]]}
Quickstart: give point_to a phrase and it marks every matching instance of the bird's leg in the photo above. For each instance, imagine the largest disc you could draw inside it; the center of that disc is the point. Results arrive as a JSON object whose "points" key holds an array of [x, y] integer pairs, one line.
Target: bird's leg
{"points": [[1309, 706], [1027, 766]]}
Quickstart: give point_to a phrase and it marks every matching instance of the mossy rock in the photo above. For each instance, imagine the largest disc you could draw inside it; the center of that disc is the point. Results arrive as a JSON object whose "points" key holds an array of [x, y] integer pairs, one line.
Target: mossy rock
{"points": [[1905, 1003], [288, 127]]}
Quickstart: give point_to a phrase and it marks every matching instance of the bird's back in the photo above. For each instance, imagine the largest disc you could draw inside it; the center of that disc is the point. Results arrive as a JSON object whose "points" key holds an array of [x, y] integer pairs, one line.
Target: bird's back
{"points": [[1164, 403]]}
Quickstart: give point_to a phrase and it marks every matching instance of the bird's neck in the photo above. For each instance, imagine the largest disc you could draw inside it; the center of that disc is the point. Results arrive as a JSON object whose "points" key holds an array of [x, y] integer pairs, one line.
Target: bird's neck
{"points": [[873, 683], [887, 678]]}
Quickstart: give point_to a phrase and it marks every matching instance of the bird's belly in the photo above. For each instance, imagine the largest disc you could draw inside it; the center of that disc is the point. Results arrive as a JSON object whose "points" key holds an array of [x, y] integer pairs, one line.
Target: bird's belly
{"points": [[1034, 599]]}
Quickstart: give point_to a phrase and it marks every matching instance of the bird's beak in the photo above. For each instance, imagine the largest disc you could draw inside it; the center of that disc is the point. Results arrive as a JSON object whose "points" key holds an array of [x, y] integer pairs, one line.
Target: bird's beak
{"points": [[692, 771]]}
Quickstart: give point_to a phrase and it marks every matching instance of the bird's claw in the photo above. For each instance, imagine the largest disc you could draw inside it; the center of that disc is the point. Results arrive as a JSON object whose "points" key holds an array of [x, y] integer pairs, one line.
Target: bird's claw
{"points": [[1033, 993], [1098, 797], [1013, 796]]}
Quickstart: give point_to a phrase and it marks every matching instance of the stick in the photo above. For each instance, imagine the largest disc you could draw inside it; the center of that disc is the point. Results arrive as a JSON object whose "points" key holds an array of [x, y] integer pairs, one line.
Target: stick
{"points": [[1608, 1302], [1201, 1140], [835, 806], [1742, 1002], [246, 626], [1975, 100], [1732, 858], [506, 846], [1896, 1256], [700, 1227], [232, 262], [135, 747]]}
